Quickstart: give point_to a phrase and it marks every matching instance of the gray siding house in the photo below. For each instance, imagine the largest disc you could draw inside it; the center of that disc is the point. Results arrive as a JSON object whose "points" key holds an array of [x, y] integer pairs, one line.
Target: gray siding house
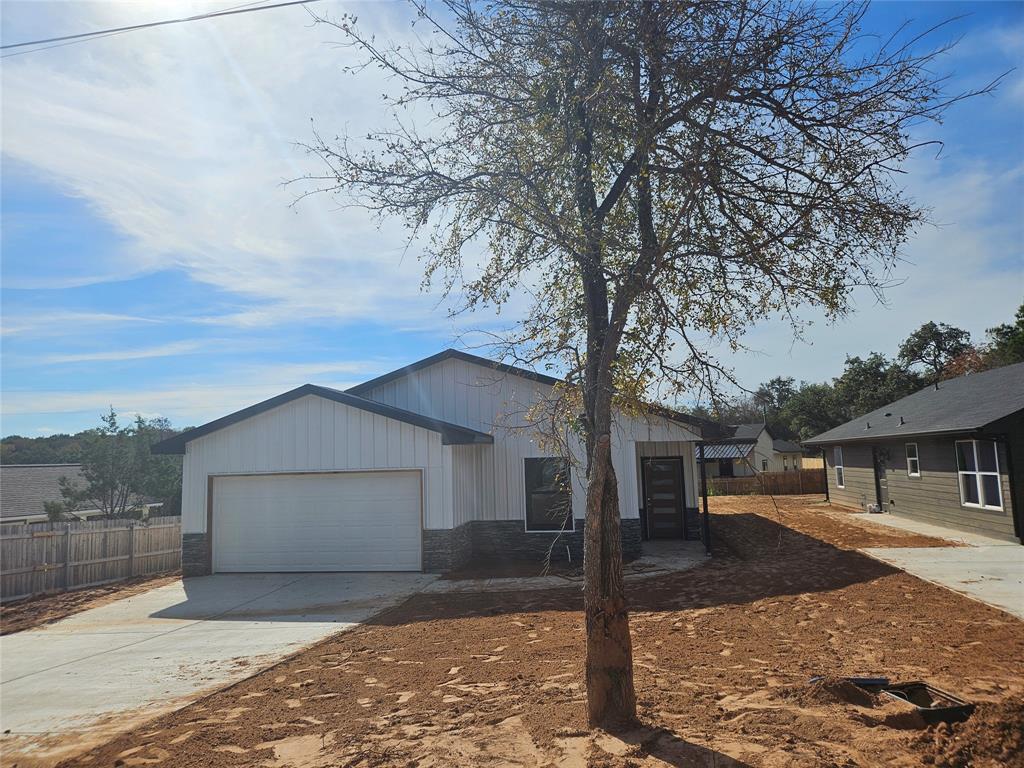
{"points": [[951, 454]]}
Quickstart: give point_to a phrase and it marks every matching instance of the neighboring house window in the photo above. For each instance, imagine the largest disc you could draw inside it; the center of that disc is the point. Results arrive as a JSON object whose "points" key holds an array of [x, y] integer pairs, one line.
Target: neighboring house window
{"points": [[837, 454], [548, 497], [785, 463], [725, 468], [764, 465], [977, 463], [913, 462]]}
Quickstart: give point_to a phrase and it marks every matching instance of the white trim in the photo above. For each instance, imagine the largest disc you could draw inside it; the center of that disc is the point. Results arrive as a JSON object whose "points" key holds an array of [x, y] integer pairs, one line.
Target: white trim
{"points": [[977, 474], [572, 517], [916, 457], [838, 465]]}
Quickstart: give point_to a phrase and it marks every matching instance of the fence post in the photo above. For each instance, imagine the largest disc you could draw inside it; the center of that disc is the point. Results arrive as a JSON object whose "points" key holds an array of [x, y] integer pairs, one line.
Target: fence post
{"points": [[131, 549], [67, 555]]}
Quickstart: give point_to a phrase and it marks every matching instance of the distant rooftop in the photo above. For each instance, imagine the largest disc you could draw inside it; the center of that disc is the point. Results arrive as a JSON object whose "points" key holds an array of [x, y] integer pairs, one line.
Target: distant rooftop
{"points": [[25, 487]]}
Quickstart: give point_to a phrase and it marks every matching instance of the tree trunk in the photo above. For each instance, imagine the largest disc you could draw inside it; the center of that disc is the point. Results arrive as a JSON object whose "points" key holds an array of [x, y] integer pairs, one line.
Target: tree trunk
{"points": [[611, 700]]}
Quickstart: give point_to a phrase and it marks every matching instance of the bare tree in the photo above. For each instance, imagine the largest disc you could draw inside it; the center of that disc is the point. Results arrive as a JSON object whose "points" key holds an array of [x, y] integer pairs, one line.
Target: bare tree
{"points": [[658, 176]]}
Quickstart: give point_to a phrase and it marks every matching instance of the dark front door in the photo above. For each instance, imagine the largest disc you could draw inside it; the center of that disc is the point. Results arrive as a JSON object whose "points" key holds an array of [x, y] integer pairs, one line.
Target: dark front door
{"points": [[881, 477], [663, 498]]}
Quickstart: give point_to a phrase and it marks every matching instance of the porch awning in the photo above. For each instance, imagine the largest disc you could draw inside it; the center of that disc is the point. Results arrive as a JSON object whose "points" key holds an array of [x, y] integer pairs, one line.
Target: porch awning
{"points": [[717, 451]]}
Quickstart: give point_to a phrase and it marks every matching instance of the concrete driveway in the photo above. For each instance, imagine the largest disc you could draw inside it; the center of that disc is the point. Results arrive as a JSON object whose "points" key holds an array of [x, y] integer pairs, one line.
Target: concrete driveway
{"points": [[991, 573], [76, 682]]}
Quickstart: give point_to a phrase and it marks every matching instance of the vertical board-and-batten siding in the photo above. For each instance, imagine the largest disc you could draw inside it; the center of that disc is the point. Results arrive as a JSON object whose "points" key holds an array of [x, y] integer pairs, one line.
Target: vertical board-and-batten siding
{"points": [[491, 401], [933, 497], [313, 434]]}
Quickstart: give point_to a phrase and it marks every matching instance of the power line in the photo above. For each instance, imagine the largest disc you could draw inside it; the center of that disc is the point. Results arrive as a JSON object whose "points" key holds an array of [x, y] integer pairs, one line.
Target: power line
{"points": [[66, 39]]}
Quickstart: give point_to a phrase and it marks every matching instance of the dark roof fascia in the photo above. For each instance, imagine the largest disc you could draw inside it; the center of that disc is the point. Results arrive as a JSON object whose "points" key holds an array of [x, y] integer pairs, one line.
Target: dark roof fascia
{"points": [[682, 418], [451, 434], [450, 354], [868, 437]]}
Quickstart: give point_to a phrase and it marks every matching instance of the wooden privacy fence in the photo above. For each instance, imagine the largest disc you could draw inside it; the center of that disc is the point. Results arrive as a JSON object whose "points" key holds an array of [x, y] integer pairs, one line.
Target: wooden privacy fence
{"points": [[776, 483], [53, 557]]}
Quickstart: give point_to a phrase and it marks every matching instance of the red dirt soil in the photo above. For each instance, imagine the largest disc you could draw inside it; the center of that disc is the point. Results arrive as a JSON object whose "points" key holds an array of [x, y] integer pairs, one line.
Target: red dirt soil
{"points": [[723, 655], [992, 738], [46, 609]]}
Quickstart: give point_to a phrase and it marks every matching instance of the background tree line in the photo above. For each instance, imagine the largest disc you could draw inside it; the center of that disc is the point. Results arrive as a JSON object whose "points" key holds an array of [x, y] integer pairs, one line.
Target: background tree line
{"points": [[933, 352], [120, 474]]}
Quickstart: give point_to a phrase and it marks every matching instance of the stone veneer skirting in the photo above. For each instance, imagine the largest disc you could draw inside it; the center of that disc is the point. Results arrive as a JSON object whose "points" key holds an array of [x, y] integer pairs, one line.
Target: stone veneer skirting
{"points": [[692, 524], [194, 561], [445, 550]]}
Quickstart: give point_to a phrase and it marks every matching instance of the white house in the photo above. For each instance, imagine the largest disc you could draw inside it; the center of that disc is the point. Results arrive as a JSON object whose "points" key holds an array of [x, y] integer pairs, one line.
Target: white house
{"points": [[423, 468], [752, 448]]}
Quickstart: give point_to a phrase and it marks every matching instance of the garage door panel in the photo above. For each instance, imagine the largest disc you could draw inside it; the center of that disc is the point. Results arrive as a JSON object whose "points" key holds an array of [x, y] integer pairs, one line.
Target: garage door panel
{"points": [[359, 521]]}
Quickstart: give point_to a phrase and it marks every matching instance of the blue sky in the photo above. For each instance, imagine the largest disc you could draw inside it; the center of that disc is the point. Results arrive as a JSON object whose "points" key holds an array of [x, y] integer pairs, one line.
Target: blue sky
{"points": [[151, 259]]}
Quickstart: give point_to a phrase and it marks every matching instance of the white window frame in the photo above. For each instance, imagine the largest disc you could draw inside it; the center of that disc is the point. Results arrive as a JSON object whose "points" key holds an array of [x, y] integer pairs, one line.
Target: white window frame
{"points": [[764, 465], [785, 463], [916, 458], [572, 516], [840, 469], [976, 475]]}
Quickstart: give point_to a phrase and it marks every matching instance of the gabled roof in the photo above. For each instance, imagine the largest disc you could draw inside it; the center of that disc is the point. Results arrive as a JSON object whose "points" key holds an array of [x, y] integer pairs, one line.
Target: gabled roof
{"points": [[503, 368], [786, 446], [451, 434], [748, 431], [24, 487], [451, 354], [964, 404]]}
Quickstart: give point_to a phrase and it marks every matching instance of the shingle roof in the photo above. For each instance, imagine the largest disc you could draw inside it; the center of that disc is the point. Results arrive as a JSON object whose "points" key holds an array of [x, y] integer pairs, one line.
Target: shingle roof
{"points": [[747, 431], [964, 404], [24, 487], [451, 434], [787, 446]]}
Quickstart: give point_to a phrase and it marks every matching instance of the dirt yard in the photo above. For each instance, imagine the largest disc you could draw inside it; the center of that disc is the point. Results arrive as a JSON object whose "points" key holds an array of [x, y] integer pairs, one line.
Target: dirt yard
{"points": [[723, 656], [46, 609]]}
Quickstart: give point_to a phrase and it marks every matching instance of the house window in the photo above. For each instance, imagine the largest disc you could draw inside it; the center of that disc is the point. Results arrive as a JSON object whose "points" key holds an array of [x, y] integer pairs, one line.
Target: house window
{"points": [[764, 465], [548, 497], [913, 462], [785, 463], [977, 464], [837, 459]]}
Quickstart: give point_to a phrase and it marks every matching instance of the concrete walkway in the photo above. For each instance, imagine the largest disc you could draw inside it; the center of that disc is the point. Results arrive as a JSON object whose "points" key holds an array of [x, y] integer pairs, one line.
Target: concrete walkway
{"points": [[77, 682], [927, 529], [986, 569], [659, 558]]}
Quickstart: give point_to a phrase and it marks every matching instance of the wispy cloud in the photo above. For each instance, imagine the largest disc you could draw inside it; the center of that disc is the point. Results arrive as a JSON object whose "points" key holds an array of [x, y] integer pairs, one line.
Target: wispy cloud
{"points": [[194, 400], [182, 140], [61, 322], [141, 353]]}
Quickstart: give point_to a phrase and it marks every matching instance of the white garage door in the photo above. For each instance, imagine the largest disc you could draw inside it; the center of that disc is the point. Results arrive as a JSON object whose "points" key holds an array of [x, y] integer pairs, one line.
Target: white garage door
{"points": [[349, 521]]}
